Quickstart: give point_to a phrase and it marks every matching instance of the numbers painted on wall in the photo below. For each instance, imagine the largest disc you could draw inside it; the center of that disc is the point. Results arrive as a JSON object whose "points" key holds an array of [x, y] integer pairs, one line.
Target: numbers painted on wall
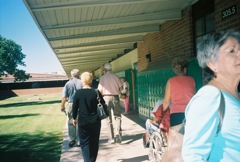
{"points": [[229, 11]]}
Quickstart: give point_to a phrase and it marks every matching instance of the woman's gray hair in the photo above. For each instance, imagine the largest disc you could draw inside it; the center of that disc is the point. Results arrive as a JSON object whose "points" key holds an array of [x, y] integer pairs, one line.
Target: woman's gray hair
{"points": [[75, 73], [208, 49]]}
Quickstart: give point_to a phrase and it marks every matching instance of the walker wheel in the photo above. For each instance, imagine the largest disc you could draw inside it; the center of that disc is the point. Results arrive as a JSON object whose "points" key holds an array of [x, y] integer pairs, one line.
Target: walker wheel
{"points": [[157, 146]]}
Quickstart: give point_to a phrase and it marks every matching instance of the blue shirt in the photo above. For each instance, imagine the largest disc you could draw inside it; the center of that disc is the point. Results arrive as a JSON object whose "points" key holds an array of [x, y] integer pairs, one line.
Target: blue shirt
{"points": [[201, 140], [70, 88]]}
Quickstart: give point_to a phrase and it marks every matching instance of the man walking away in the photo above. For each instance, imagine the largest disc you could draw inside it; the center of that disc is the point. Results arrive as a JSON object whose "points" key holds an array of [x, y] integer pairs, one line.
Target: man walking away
{"points": [[67, 95], [110, 86]]}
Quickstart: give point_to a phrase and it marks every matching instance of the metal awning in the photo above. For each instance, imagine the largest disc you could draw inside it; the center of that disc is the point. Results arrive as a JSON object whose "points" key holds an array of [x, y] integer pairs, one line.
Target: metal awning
{"points": [[85, 34]]}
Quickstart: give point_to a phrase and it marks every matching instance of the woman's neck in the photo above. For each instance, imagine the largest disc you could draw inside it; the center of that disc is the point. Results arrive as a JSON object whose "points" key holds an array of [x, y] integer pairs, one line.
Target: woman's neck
{"points": [[87, 87], [181, 74], [228, 87]]}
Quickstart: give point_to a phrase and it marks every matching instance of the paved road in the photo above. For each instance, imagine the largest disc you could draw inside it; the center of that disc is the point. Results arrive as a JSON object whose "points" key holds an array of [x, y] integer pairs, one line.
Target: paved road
{"points": [[130, 150]]}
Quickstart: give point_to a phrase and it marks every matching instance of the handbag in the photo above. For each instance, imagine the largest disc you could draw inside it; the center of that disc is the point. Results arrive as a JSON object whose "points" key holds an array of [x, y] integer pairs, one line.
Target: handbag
{"points": [[173, 152], [102, 109], [175, 137]]}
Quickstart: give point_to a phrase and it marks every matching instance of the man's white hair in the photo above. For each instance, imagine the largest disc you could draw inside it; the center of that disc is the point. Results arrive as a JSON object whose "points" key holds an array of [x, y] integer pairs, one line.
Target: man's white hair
{"points": [[107, 66], [75, 73]]}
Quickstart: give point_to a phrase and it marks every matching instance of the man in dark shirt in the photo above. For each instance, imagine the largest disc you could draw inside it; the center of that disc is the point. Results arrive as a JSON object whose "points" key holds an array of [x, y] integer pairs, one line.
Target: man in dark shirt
{"points": [[95, 84]]}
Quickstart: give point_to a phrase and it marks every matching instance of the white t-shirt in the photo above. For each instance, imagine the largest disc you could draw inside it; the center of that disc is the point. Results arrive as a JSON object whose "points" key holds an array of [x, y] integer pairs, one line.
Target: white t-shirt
{"points": [[125, 86]]}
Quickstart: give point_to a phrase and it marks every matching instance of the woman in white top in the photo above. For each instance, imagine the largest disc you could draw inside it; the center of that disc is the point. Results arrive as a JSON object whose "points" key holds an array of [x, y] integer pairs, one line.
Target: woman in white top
{"points": [[125, 91]]}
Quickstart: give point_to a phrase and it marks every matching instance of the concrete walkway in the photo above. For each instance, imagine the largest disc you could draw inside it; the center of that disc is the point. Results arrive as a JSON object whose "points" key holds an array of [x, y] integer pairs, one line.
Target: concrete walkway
{"points": [[130, 150]]}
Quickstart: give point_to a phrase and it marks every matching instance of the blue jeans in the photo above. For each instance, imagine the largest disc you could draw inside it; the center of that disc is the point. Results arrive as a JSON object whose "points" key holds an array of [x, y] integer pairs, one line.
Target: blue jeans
{"points": [[150, 127]]}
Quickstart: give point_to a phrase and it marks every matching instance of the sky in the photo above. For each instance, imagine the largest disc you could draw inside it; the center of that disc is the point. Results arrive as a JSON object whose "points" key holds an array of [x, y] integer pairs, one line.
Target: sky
{"points": [[17, 24]]}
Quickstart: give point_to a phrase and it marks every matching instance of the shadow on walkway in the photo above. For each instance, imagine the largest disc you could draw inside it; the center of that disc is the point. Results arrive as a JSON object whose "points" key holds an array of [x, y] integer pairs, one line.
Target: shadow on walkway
{"points": [[130, 150]]}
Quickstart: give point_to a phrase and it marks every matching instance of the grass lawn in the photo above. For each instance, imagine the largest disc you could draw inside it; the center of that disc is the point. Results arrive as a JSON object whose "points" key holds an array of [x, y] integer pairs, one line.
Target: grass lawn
{"points": [[31, 128]]}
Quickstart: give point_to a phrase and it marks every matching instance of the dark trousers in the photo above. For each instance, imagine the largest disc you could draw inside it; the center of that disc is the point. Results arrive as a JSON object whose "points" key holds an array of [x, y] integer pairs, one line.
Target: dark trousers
{"points": [[89, 141], [176, 118]]}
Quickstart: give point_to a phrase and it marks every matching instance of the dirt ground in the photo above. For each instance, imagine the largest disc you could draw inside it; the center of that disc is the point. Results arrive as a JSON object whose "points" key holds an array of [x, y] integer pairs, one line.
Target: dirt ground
{"points": [[33, 91]]}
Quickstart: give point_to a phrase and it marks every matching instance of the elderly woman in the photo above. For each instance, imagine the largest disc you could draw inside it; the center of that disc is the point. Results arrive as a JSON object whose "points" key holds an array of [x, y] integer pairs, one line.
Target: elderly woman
{"points": [[179, 90], [219, 56], [85, 114]]}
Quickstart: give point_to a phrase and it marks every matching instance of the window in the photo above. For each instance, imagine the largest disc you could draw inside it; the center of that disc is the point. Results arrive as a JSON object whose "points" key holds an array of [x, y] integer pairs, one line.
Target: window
{"points": [[203, 20]]}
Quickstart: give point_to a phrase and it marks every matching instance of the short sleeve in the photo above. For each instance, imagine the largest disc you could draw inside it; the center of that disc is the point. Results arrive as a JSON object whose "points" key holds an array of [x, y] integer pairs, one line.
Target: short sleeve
{"points": [[201, 124], [64, 91]]}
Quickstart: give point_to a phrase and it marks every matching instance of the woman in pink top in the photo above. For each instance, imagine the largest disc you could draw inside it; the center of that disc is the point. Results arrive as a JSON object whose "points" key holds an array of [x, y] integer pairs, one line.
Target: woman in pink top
{"points": [[179, 91]]}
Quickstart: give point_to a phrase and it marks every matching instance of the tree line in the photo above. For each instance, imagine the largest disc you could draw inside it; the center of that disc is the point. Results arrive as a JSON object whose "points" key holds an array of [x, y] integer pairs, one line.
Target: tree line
{"points": [[11, 57]]}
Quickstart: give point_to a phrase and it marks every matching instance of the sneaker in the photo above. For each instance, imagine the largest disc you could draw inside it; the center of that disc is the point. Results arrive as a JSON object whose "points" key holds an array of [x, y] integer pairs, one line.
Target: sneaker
{"points": [[118, 138], [112, 141], [71, 143]]}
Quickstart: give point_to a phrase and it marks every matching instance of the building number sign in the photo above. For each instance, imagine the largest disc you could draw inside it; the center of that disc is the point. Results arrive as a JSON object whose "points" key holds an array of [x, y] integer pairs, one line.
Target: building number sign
{"points": [[229, 11]]}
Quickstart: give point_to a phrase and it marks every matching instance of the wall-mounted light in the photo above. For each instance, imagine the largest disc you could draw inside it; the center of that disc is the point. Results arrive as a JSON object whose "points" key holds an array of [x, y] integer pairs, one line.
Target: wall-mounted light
{"points": [[148, 57]]}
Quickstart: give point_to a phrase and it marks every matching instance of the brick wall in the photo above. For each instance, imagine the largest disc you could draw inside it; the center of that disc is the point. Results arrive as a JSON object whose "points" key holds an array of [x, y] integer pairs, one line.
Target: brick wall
{"points": [[173, 39], [230, 22]]}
